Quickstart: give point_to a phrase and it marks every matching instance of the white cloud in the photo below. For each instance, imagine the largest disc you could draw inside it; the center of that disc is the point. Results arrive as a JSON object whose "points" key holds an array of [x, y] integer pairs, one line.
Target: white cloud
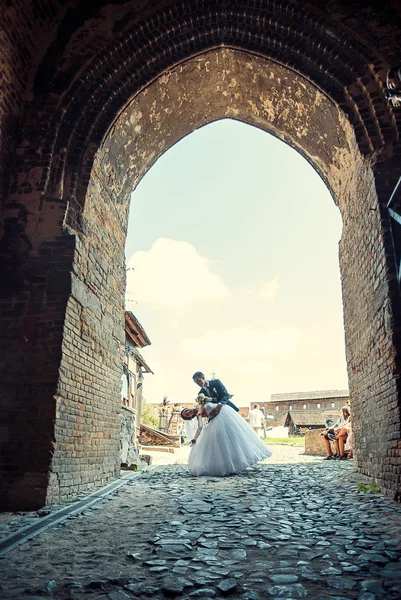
{"points": [[243, 342], [173, 274], [270, 289]]}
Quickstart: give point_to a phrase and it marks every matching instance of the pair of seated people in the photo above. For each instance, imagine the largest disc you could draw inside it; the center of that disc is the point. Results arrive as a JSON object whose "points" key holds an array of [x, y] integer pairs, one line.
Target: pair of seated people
{"points": [[340, 434]]}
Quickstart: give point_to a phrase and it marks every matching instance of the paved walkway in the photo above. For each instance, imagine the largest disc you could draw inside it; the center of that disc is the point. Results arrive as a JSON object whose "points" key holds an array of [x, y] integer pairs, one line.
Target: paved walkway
{"points": [[282, 454], [280, 530]]}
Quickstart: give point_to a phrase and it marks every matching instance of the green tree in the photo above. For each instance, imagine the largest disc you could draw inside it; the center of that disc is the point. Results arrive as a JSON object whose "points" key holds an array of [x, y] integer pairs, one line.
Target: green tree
{"points": [[148, 417]]}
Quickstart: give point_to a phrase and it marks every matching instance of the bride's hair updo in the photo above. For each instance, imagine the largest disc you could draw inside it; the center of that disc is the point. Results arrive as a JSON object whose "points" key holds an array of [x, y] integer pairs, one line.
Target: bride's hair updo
{"points": [[186, 417]]}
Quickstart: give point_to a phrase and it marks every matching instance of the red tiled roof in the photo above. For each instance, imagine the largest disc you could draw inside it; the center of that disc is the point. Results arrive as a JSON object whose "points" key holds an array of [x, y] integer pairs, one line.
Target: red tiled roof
{"points": [[135, 330]]}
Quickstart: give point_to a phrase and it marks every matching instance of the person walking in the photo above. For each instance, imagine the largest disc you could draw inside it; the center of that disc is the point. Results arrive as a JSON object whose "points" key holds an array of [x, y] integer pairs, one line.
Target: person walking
{"points": [[256, 419]]}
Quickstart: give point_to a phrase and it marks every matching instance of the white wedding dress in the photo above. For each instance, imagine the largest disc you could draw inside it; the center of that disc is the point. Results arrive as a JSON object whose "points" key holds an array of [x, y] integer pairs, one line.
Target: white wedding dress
{"points": [[226, 445]]}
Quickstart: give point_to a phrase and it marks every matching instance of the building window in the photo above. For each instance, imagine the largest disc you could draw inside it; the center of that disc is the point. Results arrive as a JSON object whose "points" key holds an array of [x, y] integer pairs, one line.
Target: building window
{"points": [[304, 406], [318, 405], [333, 404]]}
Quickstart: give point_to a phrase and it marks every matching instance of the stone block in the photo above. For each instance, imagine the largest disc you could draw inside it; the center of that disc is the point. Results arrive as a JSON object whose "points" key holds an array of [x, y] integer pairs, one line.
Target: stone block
{"points": [[313, 443]]}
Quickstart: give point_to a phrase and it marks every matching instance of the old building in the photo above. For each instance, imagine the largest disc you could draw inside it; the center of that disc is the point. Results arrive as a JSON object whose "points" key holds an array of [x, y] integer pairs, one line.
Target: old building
{"points": [[132, 389], [325, 400], [92, 94], [301, 421]]}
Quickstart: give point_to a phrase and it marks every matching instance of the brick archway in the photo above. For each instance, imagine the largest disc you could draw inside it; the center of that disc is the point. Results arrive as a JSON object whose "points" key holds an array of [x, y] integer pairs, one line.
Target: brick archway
{"points": [[65, 230]]}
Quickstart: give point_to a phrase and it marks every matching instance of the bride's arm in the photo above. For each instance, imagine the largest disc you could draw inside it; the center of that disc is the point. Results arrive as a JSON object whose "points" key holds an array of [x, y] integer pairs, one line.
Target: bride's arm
{"points": [[200, 425]]}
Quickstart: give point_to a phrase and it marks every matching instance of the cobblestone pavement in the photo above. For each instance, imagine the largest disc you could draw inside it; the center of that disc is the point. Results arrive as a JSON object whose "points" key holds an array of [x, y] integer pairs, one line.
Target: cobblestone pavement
{"points": [[282, 453], [276, 531]]}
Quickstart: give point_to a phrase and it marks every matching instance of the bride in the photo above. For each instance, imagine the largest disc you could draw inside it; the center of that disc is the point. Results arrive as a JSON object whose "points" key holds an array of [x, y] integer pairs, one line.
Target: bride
{"points": [[226, 445]]}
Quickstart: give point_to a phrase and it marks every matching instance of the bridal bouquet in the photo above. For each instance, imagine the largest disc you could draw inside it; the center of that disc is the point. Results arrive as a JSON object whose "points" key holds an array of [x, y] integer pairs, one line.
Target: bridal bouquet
{"points": [[201, 399]]}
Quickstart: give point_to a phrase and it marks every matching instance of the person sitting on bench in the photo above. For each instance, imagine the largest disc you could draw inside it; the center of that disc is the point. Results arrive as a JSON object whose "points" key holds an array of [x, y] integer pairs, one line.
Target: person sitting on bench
{"points": [[342, 435], [329, 434]]}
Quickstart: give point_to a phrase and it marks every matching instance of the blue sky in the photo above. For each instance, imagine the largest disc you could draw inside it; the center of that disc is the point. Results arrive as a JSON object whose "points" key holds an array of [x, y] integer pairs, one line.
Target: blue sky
{"points": [[234, 242]]}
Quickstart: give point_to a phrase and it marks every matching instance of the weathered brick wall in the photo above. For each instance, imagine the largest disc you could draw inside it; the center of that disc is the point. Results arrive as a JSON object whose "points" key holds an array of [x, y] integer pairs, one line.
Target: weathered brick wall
{"points": [[25, 31], [367, 268], [16, 45], [87, 434], [35, 260], [32, 331]]}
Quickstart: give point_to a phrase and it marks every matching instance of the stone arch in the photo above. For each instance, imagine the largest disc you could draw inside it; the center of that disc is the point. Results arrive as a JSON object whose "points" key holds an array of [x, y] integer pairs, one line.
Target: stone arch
{"points": [[216, 85], [90, 71], [78, 107]]}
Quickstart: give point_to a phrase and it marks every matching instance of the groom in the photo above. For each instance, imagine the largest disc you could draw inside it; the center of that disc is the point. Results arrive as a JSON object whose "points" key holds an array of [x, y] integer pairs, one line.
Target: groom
{"points": [[214, 390]]}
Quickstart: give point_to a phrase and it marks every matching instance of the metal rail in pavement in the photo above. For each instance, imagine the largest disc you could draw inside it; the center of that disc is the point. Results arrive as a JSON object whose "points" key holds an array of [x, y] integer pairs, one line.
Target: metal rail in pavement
{"points": [[31, 531]]}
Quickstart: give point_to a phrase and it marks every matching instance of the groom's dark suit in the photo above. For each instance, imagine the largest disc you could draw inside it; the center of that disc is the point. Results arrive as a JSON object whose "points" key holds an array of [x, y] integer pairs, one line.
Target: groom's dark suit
{"points": [[218, 393]]}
